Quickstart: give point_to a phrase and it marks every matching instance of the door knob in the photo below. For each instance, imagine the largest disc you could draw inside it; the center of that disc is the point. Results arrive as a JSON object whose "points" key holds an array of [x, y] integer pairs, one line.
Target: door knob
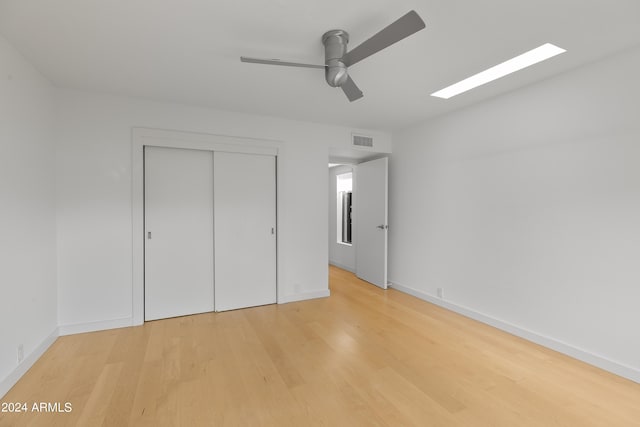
{"points": [[382, 226]]}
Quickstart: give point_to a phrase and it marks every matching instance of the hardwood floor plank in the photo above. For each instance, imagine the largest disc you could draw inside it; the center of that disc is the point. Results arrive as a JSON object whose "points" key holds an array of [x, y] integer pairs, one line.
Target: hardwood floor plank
{"points": [[362, 357]]}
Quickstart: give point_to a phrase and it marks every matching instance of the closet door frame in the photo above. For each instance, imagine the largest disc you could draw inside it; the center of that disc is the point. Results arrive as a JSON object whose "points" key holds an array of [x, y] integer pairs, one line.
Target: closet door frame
{"points": [[142, 137]]}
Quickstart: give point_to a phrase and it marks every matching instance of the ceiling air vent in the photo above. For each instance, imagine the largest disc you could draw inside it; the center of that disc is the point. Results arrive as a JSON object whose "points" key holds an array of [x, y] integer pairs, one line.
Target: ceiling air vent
{"points": [[361, 141]]}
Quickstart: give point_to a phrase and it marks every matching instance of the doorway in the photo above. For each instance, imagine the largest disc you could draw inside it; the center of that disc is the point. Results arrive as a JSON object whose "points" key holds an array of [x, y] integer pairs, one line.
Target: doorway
{"points": [[341, 232], [358, 224]]}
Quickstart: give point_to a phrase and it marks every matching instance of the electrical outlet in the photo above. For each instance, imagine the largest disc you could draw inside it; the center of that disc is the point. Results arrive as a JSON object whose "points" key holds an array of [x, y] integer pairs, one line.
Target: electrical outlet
{"points": [[20, 353], [440, 293]]}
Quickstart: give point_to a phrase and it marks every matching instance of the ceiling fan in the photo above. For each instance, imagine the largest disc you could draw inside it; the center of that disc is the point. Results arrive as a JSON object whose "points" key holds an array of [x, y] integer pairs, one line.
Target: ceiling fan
{"points": [[337, 59]]}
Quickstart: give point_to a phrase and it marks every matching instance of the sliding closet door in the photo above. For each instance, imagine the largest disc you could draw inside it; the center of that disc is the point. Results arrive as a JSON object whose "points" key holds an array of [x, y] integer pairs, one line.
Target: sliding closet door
{"points": [[178, 232], [245, 237]]}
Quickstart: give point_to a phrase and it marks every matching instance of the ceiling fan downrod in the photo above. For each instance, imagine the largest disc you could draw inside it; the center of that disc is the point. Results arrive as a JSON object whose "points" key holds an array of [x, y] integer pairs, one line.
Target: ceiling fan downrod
{"points": [[335, 48]]}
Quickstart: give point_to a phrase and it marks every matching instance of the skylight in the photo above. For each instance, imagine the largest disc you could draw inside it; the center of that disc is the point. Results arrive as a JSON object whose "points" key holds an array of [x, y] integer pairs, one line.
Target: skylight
{"points": [[512, 65]]}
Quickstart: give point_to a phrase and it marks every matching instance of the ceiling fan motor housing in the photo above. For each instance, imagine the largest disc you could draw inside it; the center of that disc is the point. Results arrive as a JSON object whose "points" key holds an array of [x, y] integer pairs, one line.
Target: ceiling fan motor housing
{"points": [[335, 48]]}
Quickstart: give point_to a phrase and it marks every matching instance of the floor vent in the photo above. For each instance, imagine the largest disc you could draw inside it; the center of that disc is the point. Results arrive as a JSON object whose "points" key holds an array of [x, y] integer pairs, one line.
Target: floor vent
{"points": [[361, 141]]}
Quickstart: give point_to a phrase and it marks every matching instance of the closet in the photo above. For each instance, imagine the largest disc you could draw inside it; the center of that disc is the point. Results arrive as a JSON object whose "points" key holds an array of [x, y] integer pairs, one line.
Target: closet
{"points": [[210, 231]]}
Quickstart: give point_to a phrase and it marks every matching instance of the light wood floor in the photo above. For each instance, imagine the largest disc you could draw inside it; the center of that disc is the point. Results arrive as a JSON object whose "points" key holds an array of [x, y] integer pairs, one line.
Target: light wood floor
{"points": [[363, 357]]}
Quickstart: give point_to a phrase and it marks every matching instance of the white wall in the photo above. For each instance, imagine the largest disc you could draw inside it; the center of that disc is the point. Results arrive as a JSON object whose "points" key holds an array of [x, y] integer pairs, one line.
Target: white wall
{"points": [[94, 198], [526, 209], [27, 215], [340, 255]]}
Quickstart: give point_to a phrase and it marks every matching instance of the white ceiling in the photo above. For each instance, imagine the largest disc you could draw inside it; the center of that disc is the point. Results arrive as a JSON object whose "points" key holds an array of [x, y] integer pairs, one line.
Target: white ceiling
{"points": [[187, 51]]}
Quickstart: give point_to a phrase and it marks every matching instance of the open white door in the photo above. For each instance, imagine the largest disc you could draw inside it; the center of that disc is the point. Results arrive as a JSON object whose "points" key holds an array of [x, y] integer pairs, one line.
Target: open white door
{"points": [[370, 208], [178, 232], [245, 230]]}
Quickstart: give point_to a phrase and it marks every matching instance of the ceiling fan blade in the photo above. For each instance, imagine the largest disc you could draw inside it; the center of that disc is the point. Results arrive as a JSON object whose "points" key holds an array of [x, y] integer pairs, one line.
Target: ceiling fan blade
{"points": [[279, 62], [351, 90], [403, 27]]}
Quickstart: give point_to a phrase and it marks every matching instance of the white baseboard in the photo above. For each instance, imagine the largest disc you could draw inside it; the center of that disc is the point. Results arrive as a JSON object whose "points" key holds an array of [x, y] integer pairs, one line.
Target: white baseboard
{"points": [[79, 328], [344, 267], [304, 296], [13, 377], [601, 362]]}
